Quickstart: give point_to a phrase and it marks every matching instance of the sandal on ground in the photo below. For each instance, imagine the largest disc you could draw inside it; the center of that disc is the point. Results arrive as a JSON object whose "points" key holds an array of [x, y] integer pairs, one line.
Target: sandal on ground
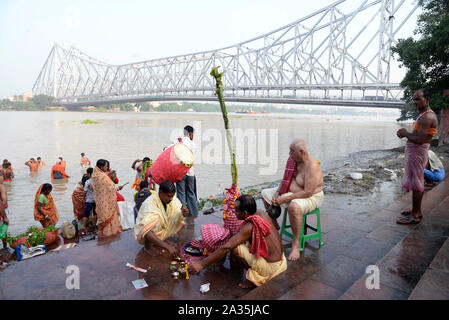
{"points": [[408, 213], [407, 220]]}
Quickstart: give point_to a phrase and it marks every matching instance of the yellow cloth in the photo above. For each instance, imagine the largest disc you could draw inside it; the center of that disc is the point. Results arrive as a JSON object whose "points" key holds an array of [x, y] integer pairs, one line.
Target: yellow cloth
{"points": [[153, 217], [260, 270], [307, 205]]}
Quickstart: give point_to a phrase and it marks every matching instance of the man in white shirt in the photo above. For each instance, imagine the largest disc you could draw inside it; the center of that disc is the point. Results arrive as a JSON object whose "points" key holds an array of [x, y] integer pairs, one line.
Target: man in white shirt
{"points": [[186, 188]]}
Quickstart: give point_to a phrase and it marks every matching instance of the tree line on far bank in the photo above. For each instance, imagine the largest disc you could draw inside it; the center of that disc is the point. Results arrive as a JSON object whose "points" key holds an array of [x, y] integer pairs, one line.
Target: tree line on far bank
{"points": [[41, 103], [36, 103]]}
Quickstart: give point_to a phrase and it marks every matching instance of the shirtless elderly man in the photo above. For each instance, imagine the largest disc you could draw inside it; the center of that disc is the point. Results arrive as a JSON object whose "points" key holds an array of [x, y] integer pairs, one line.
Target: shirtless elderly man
{"points": [[301, 195]]}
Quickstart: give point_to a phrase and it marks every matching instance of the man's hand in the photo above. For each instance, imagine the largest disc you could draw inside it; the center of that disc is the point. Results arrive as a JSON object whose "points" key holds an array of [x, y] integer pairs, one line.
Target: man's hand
{"points": [[278, 200], [6, 220], [402, 133], [281, 200], [185, 211], [195, 268], [274, 200], [172, 250]]}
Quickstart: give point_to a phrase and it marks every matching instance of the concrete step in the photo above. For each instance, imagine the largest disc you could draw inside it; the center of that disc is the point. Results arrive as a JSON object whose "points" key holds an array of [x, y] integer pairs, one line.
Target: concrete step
{"points": [[353, 241], [434, 284], [406, 264]]}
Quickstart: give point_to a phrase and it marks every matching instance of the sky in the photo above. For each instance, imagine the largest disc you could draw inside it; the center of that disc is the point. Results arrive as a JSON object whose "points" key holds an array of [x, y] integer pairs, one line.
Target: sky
{"points": [[119, 32]]}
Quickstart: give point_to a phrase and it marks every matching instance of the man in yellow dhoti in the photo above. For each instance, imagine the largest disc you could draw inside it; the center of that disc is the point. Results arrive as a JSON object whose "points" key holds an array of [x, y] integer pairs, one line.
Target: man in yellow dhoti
{"points": [[160, 216], [257, 246]]}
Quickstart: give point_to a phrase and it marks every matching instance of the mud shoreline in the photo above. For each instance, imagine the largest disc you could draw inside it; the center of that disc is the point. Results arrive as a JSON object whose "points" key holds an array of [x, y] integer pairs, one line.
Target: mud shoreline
{"points": [[381, 172]]}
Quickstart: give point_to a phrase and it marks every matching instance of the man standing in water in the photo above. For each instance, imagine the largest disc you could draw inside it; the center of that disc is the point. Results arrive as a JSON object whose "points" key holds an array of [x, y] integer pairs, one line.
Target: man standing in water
{"points": [[32, 164], [416, 154], [7, 172], [40, 162]]}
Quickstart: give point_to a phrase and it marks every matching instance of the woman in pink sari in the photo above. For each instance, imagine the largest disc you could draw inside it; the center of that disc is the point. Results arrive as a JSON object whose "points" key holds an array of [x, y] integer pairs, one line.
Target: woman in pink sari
{"points": [[106, 201]]}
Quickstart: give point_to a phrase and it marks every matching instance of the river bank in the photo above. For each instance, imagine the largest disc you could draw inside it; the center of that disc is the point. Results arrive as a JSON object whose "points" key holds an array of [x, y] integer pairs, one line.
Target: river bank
{"points": [[381, 172], [353, 241], [358, 230]]}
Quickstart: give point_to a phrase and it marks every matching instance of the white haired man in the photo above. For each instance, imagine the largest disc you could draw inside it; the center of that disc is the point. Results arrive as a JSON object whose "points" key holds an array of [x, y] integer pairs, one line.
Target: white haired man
{"points": [[301, 190]]}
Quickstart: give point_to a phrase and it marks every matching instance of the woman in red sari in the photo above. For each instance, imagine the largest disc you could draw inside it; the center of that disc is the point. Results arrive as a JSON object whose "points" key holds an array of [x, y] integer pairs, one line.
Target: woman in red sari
{"points": [[79, 198], [44, 206]]}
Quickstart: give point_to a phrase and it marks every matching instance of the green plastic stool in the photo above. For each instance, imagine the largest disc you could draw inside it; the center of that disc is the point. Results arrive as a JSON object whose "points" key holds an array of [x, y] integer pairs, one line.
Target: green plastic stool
{"points": [[303, 237]]}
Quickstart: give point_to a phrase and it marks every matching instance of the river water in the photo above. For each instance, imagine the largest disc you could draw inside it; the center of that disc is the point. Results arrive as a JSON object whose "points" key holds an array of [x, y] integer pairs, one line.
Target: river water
{"points": [[123, 137]]}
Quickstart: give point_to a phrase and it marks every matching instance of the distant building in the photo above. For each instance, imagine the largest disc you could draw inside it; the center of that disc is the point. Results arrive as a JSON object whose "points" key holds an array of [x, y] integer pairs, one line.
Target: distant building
{"points": [[21, 97]]}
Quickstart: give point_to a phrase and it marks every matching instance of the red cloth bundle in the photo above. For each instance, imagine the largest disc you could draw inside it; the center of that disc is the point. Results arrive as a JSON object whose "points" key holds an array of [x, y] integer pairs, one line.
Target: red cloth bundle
{"points": [[261, 229], [289, 173], [214, 236]]}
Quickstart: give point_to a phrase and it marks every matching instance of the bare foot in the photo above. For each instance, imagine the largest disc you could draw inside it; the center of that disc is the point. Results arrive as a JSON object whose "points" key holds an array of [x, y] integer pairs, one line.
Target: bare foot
{"points": [[247, 284], [295, 254]]}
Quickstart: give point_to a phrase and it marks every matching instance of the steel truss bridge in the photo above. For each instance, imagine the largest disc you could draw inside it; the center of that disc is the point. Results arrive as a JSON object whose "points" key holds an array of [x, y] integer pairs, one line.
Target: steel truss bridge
{"points": [[339, 55]]}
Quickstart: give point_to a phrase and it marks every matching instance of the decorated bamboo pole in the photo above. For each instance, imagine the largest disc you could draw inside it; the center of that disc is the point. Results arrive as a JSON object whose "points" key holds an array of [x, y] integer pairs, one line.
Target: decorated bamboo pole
{"points": [[230, 219], [219, 93]]}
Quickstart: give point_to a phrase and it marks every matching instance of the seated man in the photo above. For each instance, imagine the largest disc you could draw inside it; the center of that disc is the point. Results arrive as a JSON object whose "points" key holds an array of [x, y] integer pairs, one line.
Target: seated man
{"points": [[434, 171], [300, 192], [160, 216], [263, 258]]}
